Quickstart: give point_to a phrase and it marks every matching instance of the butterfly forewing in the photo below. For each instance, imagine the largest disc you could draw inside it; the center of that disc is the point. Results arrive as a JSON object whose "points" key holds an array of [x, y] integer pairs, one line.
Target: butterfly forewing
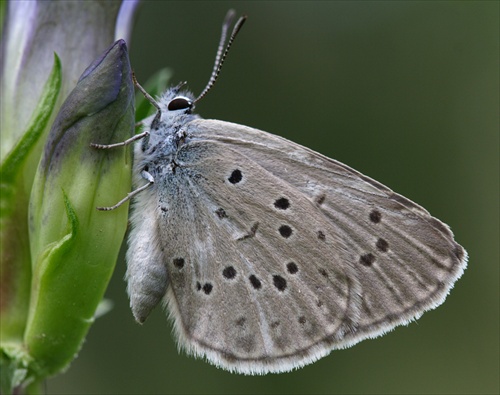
{"points": [[276, 254]]}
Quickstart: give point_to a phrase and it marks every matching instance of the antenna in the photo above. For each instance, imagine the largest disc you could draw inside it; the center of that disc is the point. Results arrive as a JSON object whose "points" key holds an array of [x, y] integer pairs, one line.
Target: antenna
{"points": [[221, 53]]}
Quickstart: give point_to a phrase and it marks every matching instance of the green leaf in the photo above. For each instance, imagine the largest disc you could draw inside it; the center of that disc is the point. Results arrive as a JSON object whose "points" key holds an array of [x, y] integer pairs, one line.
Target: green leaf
{"points": [[15, 187], [11, 166]]}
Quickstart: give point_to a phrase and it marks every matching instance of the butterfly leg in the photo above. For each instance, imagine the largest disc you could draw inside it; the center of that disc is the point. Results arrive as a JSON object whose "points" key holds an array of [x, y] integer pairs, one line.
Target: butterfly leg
{"points": [[123, 143], [148, 177]]}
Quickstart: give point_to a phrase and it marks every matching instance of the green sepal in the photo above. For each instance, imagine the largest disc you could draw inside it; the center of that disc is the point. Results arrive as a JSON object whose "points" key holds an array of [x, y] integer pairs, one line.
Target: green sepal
{"points": [[52, 284], [74, 246]]}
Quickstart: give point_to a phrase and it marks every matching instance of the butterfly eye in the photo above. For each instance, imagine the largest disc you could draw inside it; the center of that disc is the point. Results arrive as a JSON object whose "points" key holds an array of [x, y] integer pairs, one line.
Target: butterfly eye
{"points": [[179, 103]]}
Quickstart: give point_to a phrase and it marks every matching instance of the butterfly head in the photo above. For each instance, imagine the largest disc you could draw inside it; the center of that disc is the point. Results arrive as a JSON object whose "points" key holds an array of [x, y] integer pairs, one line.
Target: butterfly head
{"points": [[175, 107], [176, 101]]}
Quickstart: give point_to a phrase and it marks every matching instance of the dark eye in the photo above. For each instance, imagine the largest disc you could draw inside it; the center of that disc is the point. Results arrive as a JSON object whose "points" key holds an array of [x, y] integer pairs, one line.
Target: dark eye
{"points": [[179, 103]]}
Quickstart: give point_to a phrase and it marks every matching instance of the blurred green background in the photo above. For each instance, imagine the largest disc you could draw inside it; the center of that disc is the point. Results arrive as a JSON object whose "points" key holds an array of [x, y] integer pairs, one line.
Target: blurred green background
{"points": [[405, 92]]}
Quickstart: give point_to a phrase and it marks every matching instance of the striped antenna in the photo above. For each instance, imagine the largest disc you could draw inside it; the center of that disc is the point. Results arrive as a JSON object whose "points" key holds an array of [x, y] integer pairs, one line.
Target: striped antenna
{"points": [[221, 53]]}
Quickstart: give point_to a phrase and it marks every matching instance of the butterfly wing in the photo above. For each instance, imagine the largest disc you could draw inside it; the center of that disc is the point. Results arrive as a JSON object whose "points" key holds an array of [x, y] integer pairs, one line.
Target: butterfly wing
{"points": [[277, 254], [146, 275]]}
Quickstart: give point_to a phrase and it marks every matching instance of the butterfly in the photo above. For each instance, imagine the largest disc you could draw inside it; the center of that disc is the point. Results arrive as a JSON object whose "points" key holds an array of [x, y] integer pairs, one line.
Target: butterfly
{"points": [[267, 254]]}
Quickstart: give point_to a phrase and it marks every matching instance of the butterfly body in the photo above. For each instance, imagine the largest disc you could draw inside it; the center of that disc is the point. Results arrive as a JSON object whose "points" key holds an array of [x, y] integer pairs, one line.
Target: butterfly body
{"points": [[269, 255]]}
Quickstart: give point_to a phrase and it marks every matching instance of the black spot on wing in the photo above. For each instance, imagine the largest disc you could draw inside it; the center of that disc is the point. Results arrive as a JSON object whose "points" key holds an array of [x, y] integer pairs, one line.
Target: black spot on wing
{"points": [[285, 231], [279, 282], [229, 272], [367, 259], [375, 216], [382, 245], [235, 177], [178, 263], [292, 267], [256, 283], [282, 203]]}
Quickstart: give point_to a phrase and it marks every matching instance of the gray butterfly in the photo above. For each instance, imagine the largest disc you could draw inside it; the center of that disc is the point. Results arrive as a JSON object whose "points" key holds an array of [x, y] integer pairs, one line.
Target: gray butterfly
{"points": [[267, 254]]}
